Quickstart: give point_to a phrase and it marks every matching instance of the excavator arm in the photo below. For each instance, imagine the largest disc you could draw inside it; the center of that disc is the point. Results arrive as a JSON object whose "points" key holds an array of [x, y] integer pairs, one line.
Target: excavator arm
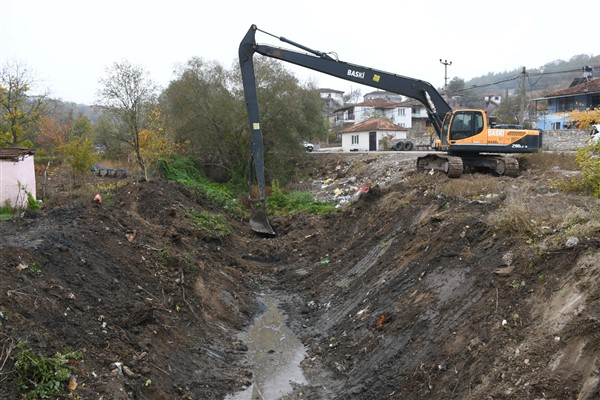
{"points": [[319, 61], [259, 221]]}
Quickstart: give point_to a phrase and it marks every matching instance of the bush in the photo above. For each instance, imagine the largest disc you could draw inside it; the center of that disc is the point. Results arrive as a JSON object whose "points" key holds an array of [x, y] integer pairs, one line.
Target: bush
{"points": [[41, 377], [588, 159]]}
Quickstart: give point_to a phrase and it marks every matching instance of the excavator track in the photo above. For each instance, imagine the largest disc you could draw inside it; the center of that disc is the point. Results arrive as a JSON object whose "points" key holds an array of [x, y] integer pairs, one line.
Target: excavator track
{"points": [[450, 165], [511, 167]]}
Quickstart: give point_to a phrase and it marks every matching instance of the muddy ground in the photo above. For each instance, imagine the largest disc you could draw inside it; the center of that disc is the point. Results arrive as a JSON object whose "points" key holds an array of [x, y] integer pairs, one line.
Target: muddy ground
{"points": [[420, 287]]}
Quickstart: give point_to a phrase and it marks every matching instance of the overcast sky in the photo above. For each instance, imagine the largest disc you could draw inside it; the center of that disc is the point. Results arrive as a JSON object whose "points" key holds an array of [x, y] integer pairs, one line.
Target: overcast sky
{"points": [[68, 44]]}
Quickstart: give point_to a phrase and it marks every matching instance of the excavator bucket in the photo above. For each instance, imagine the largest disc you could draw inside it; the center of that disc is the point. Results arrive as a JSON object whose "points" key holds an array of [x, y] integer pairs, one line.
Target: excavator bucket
{"points": [[260, 223]]}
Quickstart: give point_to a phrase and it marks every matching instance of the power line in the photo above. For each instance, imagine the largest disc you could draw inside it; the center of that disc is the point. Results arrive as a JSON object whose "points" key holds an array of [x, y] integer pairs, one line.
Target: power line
{"points": [[515, 77]]}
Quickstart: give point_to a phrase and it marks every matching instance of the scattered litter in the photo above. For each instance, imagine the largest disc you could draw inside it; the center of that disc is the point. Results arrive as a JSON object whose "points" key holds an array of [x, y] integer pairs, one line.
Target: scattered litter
{"points": [[131, 236], [106, 172], [381, 321], [504, 271], [72, 383], [22, 266]]}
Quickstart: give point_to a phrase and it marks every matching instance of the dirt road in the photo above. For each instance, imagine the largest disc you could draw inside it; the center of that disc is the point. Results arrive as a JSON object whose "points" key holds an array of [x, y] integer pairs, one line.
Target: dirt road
{"points": [[419, 287]]}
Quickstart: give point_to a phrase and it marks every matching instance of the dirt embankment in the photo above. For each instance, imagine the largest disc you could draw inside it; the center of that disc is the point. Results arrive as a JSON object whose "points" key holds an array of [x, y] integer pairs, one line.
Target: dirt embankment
{"points": [[414, 290]]}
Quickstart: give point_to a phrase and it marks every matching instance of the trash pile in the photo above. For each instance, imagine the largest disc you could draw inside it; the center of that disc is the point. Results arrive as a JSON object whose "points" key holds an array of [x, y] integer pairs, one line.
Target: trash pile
{"points": [[340, 186], [339, 191]]}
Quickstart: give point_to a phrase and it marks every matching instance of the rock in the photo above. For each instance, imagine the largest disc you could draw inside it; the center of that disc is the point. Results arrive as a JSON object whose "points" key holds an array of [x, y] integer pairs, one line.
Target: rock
{"points": [[572, 241], [508, 258]]}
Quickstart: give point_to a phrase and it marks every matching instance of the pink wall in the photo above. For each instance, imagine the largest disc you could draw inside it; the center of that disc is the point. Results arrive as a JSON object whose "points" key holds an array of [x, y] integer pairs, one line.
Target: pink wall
{"points": [[17, 178]]}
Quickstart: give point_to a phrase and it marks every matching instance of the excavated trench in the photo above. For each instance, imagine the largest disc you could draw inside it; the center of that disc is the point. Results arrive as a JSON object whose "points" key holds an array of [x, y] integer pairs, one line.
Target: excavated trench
{"points": [[274, 354]]}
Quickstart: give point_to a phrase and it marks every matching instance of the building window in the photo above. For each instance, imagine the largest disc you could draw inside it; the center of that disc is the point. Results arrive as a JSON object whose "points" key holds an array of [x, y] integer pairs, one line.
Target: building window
{"points": [[402, 111], [354, 139], [555, 125]]}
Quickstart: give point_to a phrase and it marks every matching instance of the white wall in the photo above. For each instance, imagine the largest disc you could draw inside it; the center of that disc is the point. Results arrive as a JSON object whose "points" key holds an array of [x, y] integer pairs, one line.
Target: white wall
{"points": [[363, 139], [16, 179]]}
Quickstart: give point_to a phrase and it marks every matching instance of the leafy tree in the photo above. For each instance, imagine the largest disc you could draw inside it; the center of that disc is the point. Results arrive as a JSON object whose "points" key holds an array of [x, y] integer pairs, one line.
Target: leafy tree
{"points": [[508, 111], [19, 112], [78, 149], [53, 133], [79, 154], [352, 97], [206, 109], [456, 84], [207, 118], [584, 119], [127, 95], [156, 141], [289, 112], [107, 135]]}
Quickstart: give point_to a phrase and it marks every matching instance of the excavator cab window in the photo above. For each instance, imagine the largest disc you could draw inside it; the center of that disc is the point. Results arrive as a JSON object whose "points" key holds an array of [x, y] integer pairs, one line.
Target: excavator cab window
{"points": [[466, 124]]}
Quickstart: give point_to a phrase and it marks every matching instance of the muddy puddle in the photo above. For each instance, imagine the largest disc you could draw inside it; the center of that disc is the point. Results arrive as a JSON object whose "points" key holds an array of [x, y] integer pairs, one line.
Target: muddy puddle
{"points": [[274, 353]]}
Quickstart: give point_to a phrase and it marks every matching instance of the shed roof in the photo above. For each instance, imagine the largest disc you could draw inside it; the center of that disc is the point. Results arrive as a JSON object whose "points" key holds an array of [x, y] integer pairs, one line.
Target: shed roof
{"points": [[373, 124], [14, 153]]}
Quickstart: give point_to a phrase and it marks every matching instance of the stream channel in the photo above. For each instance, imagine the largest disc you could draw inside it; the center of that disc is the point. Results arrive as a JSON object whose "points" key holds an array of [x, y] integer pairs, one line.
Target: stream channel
{"points": [[274, 353]]}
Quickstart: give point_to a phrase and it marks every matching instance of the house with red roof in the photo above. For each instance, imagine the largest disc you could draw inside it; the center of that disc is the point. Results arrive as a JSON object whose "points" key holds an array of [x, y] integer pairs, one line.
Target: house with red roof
{"points": [[371, 135]]}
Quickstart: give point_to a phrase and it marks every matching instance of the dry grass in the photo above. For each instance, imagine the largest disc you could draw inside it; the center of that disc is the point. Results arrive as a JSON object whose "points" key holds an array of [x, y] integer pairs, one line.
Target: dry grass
{"points": [[546, 161], [546, 218]]}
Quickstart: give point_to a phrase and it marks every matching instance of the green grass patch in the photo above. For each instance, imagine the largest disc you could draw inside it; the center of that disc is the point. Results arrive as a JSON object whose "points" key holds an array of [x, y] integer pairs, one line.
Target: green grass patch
{"points": [[187, 172], [294, 202], [6, 213], [213, 225], [40, 377]]}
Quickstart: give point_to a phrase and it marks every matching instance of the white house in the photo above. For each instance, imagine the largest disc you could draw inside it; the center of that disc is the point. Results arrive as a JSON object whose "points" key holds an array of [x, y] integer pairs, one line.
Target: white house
{"points": [[370, 135], [399, 113], [17, 176]]}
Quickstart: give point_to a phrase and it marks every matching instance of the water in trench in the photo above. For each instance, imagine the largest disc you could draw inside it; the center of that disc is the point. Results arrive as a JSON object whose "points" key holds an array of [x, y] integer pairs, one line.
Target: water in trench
{"points": [[275, 354]]}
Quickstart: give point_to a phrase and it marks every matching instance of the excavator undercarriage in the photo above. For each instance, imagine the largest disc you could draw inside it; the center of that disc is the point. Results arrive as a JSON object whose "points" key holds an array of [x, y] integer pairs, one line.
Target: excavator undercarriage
{"points": [[453, 165]]}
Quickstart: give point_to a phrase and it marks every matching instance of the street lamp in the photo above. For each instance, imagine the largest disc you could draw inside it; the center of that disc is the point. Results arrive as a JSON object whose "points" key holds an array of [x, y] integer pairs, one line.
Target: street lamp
{"points": [[446, 64]]}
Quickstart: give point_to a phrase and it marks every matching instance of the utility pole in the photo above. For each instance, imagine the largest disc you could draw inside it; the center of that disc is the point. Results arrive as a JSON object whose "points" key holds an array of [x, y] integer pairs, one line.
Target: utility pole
{"points": [[446, 64], [522, 96]]}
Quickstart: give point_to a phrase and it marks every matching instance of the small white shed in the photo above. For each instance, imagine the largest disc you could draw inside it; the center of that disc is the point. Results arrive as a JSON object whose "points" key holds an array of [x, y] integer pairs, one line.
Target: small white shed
{"points": [[17, 176], [368, 135]]}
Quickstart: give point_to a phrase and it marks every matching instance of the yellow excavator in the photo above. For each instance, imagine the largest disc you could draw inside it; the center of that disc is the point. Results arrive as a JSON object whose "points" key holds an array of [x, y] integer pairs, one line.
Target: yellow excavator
{"points": [[465, 137]]}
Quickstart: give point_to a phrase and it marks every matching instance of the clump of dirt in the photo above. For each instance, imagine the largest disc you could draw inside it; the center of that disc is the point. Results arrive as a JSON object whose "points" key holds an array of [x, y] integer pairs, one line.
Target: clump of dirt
{"points": [[407, 292]]}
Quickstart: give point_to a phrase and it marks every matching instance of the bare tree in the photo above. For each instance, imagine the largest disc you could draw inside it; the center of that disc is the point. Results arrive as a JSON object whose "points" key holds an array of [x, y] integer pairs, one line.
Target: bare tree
{"points": [[127, 95], [19, 112]]}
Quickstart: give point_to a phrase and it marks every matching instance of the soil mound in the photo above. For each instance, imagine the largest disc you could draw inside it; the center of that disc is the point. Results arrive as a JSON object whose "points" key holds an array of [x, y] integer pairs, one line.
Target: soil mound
{"points": [[411, 291]]}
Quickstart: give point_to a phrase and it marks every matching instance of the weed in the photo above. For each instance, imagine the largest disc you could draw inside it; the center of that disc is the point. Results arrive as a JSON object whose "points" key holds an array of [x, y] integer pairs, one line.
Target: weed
{"points": [[588, 181], [472, 187], [163, 256], [42, 377], [215, 225], [545, 161], [35, 268], [541, 278], [32, 203], [291, 203], [514, 285], [6, 212], [186, 172]]}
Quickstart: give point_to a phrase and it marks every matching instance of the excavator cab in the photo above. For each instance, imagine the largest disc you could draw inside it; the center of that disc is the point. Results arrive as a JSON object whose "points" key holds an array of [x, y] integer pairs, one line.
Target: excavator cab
{"points": [[465, 124]]}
